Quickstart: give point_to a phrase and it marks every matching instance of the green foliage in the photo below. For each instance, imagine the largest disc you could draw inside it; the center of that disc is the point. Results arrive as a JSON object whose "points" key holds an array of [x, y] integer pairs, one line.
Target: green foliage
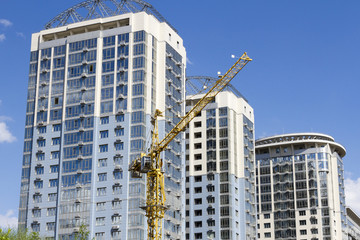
{"points": [[14, 234], [83, 233]]}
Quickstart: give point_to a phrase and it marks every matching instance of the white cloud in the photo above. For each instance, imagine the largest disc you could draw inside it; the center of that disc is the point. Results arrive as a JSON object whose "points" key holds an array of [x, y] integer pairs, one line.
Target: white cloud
{"points": [[8, 220], [20, 34], [5, 22], [352, 194], [188, 61], [2, 37], [5, 134]]}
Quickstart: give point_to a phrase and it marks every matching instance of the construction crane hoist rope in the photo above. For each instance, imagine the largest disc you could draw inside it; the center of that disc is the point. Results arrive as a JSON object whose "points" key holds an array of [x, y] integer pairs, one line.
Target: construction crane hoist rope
{"points": [[151, 164]]}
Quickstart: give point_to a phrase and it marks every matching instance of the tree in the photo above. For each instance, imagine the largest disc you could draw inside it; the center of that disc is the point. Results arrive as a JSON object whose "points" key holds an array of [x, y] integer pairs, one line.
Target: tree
{"points": [[83, 233], [15, 234]]}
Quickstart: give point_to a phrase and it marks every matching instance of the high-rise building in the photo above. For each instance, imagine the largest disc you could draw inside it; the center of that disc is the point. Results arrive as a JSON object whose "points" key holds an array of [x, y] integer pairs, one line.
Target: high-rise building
{"points": [[220, 180], [353, 224], [97, 73], [300, 187]]}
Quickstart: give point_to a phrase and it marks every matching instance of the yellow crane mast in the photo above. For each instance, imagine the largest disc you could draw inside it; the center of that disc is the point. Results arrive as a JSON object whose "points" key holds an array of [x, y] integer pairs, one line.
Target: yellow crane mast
{"points": [[151, 163]]}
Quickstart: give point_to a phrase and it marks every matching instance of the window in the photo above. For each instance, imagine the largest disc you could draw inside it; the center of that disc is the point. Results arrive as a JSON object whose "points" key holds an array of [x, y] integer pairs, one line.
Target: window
{"points": [[197, 168], [118, 175], [102, 177], [103, 148], [198, 212], [117, 190], [52, 197], [38, 184], [116, 204], [197, 190], [102, 162], [302, 222], [303, 232], [197, 201], [100, 236], [197, 135], [267, 225], [41, 143], [267, 216], [197, 124], [41, 130], [55, 155], [55, 141], [118, 160], [50, 226], [119, 132], [51, 211], [104, 134], [100, 221], [197, 178], [267, 235], [198, 156], [100, 206], [115, 219], [53, 183], [302, 213], [39, 170], [101, 191], [120, 118], [36, 213], [119, 146], [54, 168], [198, 224], [104, 120], [37, 198]]}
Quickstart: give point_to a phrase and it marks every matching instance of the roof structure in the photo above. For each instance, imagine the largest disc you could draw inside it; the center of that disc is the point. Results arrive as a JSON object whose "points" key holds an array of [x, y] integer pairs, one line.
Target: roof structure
{"points": [[92, 9], [201, 84]]}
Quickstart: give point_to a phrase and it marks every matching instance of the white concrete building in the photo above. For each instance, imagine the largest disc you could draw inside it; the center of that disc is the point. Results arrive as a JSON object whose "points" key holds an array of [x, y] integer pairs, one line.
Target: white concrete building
{"points": [[300, 187], [95, 80], [220, 183], [353, 224]]}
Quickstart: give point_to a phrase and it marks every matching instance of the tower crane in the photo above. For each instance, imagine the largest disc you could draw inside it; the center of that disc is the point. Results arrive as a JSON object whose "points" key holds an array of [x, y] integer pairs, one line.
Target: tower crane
{"points": [[151, 164]]}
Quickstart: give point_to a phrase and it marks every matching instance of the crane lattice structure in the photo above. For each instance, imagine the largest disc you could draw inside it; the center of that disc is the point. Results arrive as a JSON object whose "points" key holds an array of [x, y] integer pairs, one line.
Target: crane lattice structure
{"points": [[92, 9], [151, 163]]}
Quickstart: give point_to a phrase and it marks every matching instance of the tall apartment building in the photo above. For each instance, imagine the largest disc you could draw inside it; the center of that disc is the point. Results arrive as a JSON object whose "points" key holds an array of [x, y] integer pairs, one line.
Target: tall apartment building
{"points": [[220, 180], [97, 73], [300, 187], [353, 224]]}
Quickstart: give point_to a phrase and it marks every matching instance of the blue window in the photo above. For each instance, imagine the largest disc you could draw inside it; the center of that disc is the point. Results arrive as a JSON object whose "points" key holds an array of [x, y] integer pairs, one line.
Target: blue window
{"points": [[120, 118], [138, 103], [139, 49], [42, 130], [103, 148], [102, 162], [55, 141], [119, 132], [211, 122], [119, 146], [118, 175], [53, 183], [39, 170], [210, 113], [108, 53], [107, 80], [223, 122], [41, 143], [123, 37], [106, 107], [104, 120], [139, 36], [54, 168], [138, 131], [223, 111], [138, 89], [40, 156], [56, 127], [138, 76], [107, 93], [55, 155], [104, 134], [137, 145], [138, 62], [27, 146], [102, 177], [38, 184], [137, 117], [108, 66], [109, 41]]}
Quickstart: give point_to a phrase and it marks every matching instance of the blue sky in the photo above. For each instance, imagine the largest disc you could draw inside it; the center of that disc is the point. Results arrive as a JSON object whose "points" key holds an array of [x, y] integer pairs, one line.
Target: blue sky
{"points": [[304, 77]]}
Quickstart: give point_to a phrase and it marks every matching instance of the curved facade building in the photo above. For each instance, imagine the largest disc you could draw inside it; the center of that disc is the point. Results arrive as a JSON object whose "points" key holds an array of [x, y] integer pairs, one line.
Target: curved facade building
{"points": [[300, 187], [97, 73]]}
